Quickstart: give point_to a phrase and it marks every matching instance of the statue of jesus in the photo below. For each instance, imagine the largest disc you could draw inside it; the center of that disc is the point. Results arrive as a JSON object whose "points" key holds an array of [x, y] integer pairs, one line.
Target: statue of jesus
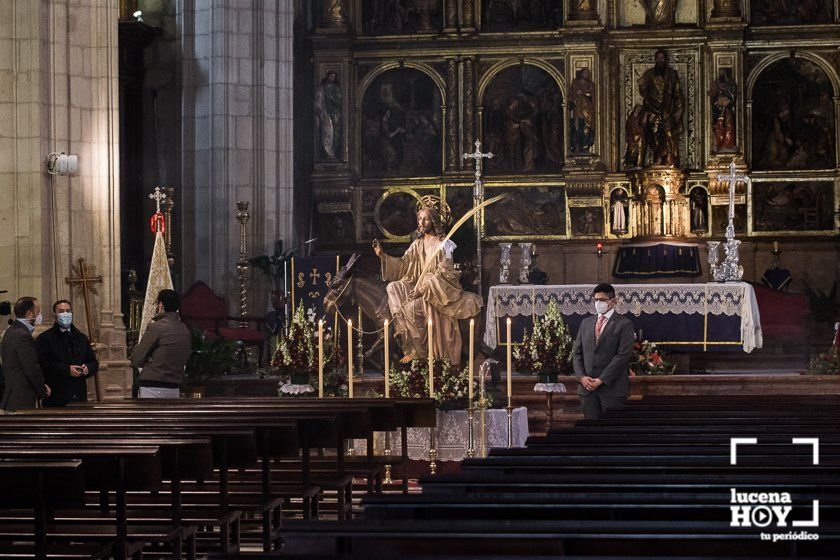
{"points": [[417, 292]]}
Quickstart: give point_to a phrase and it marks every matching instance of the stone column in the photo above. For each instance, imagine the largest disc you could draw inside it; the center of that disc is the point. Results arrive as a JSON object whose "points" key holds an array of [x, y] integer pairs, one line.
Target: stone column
{"points": [[61, 94], [236, 133]]}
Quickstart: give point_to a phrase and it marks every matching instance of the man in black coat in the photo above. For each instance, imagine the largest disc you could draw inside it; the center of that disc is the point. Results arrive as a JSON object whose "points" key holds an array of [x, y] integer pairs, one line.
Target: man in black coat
{"points": [[23, 376], [66, 357]]}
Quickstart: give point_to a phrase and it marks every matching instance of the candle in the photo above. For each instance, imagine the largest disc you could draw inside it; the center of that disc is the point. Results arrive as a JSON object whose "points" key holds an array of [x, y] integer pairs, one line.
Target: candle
{"points": [[321, 358], [472, 332], [387, 363], [350, 358], [775, 246], [431, 361], [509, 364]]}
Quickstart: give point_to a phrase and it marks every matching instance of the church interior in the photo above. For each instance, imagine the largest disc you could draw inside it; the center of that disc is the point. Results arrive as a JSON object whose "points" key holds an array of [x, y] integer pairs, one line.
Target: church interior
{"points": [[446, 278]]}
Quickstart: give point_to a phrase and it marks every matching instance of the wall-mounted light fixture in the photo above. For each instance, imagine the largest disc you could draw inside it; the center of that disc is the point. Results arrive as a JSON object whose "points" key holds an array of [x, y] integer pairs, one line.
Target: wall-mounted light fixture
{"points": [[59, 163]]}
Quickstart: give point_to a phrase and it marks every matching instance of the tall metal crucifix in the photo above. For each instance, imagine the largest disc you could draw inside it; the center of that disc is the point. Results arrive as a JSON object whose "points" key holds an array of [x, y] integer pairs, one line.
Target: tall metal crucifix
{"points": [[731, 270], [82, 279], [478, 198], [158, 196]]}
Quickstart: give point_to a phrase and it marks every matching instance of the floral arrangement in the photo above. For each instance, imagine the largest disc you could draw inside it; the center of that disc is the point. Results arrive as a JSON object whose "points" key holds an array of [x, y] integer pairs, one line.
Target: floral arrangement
{"points": [[825, 363], [451, 383], [297, 353], [547, 349], [649, 360]]}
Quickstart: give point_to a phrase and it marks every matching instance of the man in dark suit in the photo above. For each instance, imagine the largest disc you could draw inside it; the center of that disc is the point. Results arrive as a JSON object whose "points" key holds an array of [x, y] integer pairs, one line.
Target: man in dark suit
{"points": [[24, 379], [66, 358], [601, 355]]}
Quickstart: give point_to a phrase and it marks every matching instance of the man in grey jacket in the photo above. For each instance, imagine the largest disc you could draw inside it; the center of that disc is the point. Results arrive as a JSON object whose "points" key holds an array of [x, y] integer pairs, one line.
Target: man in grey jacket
{"points": [[162, 353], [24, 379], [601, 355]]}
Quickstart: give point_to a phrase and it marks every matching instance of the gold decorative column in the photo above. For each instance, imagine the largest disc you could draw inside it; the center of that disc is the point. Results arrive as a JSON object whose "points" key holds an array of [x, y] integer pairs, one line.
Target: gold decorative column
{"points": [[468, 24], [242, 216], [451, 113]]}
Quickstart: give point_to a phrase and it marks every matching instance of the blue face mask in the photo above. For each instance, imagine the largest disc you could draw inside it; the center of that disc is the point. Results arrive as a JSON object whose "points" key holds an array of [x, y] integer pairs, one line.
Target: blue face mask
{"points": [[65, 319]]}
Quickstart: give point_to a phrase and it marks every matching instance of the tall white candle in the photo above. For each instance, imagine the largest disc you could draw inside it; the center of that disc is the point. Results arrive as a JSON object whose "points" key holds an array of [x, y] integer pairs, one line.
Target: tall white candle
{"points": [[321, 358], [509, 364], [431, 361], [472, 336], [387, 363], [350, 358]]}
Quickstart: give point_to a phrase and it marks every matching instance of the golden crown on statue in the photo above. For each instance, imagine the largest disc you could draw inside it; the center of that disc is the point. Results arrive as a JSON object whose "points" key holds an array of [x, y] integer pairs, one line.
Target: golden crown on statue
{"points": [[434, 202]]}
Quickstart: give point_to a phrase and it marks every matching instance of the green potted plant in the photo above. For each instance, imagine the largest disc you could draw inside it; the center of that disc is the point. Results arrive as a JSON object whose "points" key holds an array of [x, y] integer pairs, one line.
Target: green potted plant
{"points": [[547, 350], [211, 357], [272, 266]]}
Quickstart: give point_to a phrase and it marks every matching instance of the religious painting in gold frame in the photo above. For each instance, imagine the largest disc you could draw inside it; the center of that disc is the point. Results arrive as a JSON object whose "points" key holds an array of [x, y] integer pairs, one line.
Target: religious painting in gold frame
{"points": [[586, 218], [535, 211], [793, 206]]}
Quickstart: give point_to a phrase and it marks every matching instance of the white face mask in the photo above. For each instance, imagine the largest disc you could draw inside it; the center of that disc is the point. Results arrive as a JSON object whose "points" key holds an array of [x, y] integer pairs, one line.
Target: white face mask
{"points": [[37, 320], [601, 307], [65, 319]]}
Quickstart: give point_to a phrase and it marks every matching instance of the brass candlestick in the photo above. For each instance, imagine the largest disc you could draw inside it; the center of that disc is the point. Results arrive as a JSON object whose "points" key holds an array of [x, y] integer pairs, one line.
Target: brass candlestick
{"points": [[242, 216], [471, 431], [509, 409], [432, 451], [388, 454]]}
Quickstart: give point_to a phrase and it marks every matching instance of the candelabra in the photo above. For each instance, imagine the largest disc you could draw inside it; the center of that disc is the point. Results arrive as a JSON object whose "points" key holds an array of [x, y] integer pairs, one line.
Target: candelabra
{"points": [[730, 270], [713, 258], [242, 217], [525, 262], [504, 262]]}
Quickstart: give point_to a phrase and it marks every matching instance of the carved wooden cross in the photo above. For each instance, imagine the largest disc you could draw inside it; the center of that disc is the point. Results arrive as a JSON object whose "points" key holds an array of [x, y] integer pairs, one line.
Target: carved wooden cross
{"points": [[478, 156], [82, 279], [158, 196]]}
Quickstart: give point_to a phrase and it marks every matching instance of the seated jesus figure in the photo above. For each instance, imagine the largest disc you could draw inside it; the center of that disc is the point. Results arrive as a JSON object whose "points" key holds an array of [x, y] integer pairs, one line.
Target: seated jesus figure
{"points": [[437, 295]]}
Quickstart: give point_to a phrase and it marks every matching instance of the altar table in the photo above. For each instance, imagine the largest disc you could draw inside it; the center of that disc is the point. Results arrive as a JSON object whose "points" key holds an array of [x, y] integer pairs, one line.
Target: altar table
{"points": [[452, 435], [704, 317]]}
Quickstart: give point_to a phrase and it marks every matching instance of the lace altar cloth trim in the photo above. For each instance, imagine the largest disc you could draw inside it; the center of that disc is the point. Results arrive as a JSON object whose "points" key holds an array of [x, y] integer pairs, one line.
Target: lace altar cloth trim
{"points": [[289, 389], [452, 435], [550, 388], [735, 299]]}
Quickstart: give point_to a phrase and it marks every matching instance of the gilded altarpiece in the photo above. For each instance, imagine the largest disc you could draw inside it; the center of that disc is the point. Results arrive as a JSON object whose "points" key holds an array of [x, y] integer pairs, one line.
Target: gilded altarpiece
{"points": [[557, 91]]}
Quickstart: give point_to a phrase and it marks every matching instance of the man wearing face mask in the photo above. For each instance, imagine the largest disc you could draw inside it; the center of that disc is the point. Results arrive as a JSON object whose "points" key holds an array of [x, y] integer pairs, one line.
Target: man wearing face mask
{"points": [[162, 353], [66, 357], [24, 379], [601, 355]]}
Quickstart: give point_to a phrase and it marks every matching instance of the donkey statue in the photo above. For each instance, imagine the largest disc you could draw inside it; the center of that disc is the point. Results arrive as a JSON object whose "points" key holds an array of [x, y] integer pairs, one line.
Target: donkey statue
{"points": [[368, 293]]}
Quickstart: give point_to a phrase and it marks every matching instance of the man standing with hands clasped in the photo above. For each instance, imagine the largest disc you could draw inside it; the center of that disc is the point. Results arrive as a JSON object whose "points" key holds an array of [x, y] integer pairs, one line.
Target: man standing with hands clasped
{"points": [[67, 358], [601, 355]]}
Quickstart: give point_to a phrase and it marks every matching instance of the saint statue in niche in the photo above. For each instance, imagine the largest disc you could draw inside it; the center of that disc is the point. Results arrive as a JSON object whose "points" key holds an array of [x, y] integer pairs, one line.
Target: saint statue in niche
{"points": [[660, 13], [699, 207], [619, 212], [662, 111], [634, 135], [328, 118], [581, 111], [723, 93]]}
